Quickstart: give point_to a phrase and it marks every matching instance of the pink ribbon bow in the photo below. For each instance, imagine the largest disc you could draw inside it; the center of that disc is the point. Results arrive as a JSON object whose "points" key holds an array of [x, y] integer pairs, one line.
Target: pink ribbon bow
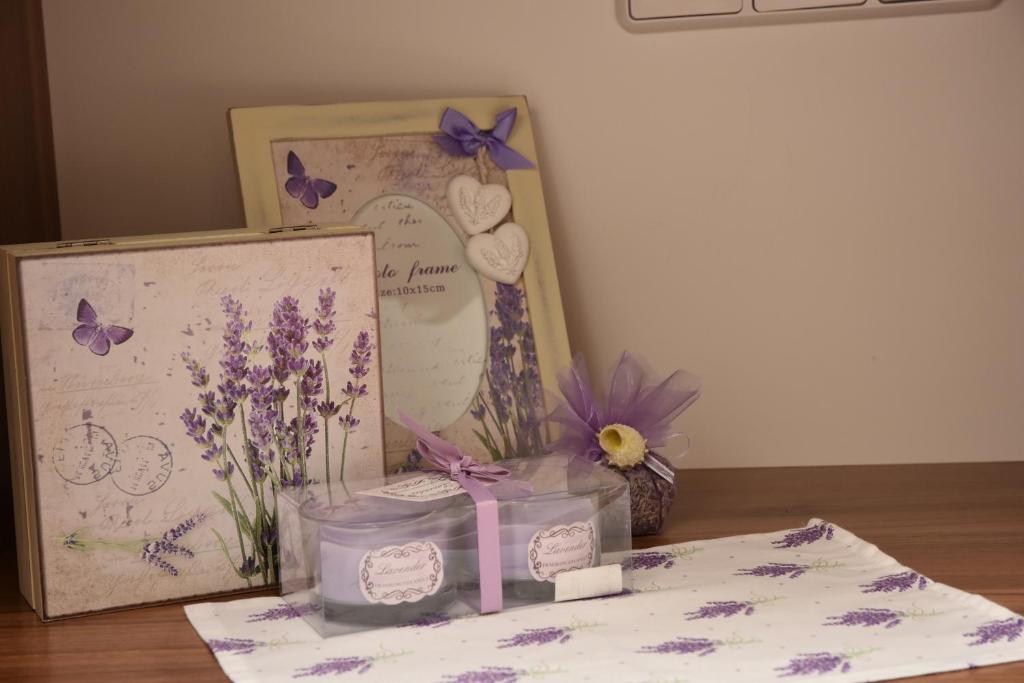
{"points": [[443, 456]]}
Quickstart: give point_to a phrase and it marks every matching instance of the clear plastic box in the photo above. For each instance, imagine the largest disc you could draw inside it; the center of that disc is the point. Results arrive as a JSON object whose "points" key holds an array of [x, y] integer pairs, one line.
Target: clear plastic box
{"points": [[392, 551]]}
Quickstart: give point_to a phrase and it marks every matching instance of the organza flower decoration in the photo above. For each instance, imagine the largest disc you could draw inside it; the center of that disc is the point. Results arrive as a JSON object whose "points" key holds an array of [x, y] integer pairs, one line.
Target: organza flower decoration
{"points": [[637, 416]]}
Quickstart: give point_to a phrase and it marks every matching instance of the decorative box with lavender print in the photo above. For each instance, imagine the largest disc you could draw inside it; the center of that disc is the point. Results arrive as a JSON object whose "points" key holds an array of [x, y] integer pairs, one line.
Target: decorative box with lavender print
{"points": [[366, 554], [161, 391]]}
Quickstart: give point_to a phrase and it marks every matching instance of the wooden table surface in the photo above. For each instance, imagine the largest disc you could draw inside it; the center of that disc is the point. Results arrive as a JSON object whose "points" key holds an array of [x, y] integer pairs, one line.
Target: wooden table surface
{"points": [[959, 524]]}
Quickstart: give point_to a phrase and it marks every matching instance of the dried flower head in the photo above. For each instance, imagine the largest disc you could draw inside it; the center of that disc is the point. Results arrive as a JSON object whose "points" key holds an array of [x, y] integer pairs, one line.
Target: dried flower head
{"points": [[624, 447]]}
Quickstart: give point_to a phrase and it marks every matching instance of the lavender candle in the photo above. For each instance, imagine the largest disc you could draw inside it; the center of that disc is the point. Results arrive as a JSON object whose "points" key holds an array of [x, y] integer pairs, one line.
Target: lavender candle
{"points": [[391, 562], [541, 537], [544, 536]]}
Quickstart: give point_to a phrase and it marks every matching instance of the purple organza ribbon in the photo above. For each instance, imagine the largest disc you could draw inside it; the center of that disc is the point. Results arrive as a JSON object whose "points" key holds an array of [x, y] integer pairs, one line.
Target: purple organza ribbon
{"points": [[659, 468], [462, 138], [443, 456]]}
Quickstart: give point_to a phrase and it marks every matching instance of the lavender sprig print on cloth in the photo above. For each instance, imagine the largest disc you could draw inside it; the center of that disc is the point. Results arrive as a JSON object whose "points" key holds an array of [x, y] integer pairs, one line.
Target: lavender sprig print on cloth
{"points": [[684, 646], [699, 646], [814, 663], [281, 613], [343, 665], [1009, 629], [727, 608], [867, 616], [509, 410], [238, 646], [537, 636], [809, 534], [877, 616], [776, 569], [336, 665], [793, 571], [901, 582], [666, 559], [488, 674], [818, 663], [545, 635]]}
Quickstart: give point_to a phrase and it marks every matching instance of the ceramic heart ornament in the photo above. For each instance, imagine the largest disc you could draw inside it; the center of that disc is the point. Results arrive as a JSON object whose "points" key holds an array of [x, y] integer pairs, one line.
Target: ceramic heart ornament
{"points": [[477, 207], [501, 255]]}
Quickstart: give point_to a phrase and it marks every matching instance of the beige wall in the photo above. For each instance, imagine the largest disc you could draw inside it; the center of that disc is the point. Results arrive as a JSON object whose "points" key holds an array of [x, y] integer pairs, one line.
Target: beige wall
{"points": [[825, 221]]}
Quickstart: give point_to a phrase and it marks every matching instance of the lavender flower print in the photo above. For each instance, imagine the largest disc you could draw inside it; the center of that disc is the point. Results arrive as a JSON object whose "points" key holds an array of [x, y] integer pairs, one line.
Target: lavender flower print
{"points": [[152, 550], [336, 665], [793, 571], [543, 636], [324, 327], [343, 665], [488, 674], [701, 647], [877, 616], [362, 353], [509, 410], [537, 636], [727, 608], [281, 613], [155, 551], [775, 569], [814, 663], [810, 534], [666, 559], [238, 646], [901, 582], [867, 617], [684, 646], [258, 425], [817, 663], [1009, 629]]}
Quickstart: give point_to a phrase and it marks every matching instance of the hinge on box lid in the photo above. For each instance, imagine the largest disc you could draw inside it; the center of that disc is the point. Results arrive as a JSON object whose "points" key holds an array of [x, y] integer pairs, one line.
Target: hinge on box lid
{"points": [[293, 228], [82, 243]]}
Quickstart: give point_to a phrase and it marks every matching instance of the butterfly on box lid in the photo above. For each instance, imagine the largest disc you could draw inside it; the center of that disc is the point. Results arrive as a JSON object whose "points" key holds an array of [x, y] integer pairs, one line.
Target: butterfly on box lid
{"points": [[94, 335]]}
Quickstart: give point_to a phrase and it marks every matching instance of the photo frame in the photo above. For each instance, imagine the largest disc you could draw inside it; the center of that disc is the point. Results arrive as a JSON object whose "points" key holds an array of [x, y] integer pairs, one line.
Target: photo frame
{"points": [[162, 389], [478, 367]]}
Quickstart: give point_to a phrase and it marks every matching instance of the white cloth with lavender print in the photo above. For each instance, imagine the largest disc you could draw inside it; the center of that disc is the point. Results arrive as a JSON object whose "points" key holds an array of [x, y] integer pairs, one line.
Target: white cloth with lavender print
{"points": [[815, 602]]}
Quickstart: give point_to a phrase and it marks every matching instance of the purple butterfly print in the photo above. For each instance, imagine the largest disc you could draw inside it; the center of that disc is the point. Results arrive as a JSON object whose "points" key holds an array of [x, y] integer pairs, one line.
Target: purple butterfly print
{"points": [[307, 190], [94, 335]]}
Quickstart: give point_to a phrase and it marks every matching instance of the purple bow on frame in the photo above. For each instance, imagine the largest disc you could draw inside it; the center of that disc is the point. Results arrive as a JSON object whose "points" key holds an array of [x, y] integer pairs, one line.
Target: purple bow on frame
{"points": [[462, 138], [443, 456]]}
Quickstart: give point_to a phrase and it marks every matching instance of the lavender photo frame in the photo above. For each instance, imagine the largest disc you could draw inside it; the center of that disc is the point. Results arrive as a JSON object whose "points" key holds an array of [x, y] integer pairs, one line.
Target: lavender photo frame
{"points": [[467, 356]]}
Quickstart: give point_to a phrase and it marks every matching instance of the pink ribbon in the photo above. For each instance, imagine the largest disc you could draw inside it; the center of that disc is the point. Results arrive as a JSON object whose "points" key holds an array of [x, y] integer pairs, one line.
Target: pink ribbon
{"points": [[443, 456]]}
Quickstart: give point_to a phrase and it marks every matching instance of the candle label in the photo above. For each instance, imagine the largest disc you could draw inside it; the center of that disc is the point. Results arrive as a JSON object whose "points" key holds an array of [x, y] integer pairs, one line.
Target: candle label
{"points": [[401, 573], [560, 549], [425, 488]]}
